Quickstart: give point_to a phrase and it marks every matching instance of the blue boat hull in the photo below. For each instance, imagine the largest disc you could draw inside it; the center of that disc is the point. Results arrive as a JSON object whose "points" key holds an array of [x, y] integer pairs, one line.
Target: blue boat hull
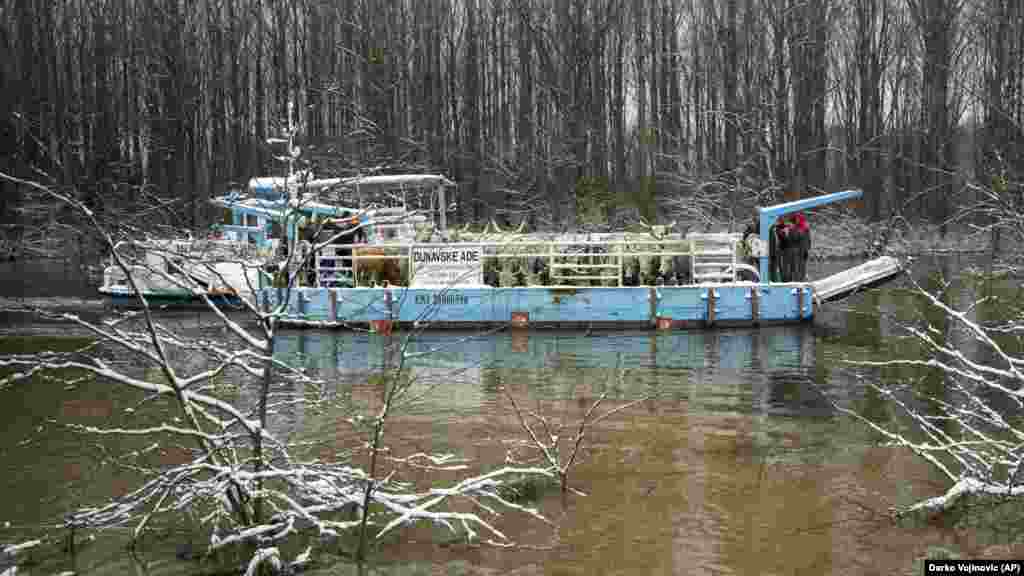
{"points": [[664, 307]]}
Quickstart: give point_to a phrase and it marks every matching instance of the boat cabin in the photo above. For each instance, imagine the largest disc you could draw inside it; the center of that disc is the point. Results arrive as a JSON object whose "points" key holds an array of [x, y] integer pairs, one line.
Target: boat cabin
{"points": [[391, 208], [381, 210]]}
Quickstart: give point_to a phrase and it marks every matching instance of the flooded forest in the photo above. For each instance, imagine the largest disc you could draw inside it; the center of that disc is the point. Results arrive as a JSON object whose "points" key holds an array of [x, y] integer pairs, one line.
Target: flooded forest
{"points": [[301, 428]]}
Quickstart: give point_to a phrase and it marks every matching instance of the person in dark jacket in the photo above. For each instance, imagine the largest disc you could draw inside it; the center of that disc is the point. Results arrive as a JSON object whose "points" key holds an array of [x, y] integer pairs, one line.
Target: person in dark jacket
{"points": [[776, 243], [794, 243], [750, 233]]}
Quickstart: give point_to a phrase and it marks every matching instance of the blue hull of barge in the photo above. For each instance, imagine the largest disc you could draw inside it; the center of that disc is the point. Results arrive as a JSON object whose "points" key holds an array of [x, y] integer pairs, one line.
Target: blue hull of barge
{"points": [[663, 307]]}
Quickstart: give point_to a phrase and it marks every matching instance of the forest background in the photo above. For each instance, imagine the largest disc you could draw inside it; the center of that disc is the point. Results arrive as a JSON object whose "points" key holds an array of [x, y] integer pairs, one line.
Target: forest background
{"points": [[563, 112]]}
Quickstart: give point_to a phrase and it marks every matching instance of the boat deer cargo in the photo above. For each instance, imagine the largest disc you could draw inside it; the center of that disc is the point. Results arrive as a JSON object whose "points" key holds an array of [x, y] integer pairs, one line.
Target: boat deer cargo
{"points": [[400, 265], [377, 251]]}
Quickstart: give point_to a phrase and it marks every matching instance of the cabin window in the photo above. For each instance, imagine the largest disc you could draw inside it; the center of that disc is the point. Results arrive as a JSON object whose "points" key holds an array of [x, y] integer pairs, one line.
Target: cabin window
{"points": [[252, 221]]}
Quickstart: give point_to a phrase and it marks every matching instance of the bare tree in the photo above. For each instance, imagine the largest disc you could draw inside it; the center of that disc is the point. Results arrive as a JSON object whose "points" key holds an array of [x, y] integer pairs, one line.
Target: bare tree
{"points": [[967, 430], [247, 484], [966, 423], [559, 445], [938, 23]]}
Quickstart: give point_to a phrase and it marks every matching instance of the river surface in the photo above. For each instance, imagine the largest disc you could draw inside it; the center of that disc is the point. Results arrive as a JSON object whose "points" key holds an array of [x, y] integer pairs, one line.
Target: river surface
{"points": [[736, 460]]}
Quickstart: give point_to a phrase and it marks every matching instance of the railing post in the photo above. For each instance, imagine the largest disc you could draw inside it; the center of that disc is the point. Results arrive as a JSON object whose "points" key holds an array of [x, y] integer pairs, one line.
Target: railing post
{"points": [[732, 248], [711, 306], [755, 305], [355, 268], [551, 263], [620, 249]]}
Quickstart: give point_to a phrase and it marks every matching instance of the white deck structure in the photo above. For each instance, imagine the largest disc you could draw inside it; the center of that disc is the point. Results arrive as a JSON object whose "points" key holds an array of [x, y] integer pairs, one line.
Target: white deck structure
{"points": [[868, 273]]}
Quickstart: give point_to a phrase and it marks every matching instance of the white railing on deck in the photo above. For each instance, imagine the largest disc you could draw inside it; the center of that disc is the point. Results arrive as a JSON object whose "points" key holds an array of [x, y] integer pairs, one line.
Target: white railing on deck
{"points": [[713, 257]]}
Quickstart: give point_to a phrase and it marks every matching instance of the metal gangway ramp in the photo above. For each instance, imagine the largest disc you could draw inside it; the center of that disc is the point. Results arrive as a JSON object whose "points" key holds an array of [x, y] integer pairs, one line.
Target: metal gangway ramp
{"points": [[870, 273]]}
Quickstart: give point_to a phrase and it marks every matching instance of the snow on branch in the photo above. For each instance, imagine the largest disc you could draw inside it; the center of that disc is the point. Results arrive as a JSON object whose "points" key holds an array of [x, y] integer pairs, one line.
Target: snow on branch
{"points": [[229, 469], [422, 506], [967, 430]]}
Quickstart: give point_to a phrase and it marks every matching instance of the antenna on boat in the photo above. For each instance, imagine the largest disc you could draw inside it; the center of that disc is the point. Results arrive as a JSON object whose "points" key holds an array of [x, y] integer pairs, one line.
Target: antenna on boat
{"points": [[293, 150], [292, 153]]}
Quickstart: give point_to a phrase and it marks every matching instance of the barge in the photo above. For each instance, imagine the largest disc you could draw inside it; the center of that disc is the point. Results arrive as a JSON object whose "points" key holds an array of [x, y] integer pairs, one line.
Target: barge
{"points": [[376, 251], [659, 280]]}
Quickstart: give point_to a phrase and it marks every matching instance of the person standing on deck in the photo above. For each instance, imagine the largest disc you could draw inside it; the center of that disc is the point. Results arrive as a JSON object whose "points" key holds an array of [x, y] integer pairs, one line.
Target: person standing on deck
{"points": [[749, 234], [794, 245], [776, 244], [779, 250]]}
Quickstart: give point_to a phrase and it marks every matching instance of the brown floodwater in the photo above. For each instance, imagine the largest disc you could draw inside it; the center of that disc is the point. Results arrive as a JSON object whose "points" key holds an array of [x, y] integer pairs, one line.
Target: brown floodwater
{"points": [[732, 459]]}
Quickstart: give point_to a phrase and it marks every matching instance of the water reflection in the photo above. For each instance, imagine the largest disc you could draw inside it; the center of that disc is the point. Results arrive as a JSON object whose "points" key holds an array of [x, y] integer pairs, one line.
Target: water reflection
{"points": [[737, 463], [745, 370]]}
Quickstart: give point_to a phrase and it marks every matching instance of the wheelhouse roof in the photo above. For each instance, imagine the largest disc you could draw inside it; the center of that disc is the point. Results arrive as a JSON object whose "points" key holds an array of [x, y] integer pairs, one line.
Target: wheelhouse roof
{"points": [[266, 195], [384, 180], [276, 208], [380, 180]]}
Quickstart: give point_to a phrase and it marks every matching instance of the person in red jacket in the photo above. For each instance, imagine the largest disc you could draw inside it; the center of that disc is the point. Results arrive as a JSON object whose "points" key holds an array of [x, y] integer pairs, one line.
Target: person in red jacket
{"points": [[795, 244]]}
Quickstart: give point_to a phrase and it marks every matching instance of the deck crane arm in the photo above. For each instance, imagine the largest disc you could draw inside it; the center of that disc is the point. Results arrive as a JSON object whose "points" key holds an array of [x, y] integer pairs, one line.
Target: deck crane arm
{"points": [[767, 216]]}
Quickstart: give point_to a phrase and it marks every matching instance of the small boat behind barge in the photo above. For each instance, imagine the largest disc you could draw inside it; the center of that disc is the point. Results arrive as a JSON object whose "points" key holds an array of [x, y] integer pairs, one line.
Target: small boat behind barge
{"points": [[659, 280]]}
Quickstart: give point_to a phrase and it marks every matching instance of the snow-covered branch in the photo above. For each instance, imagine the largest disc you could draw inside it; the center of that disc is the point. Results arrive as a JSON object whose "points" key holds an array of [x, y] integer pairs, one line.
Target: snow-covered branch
{"points": [[969, 428], [198, 449]]}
